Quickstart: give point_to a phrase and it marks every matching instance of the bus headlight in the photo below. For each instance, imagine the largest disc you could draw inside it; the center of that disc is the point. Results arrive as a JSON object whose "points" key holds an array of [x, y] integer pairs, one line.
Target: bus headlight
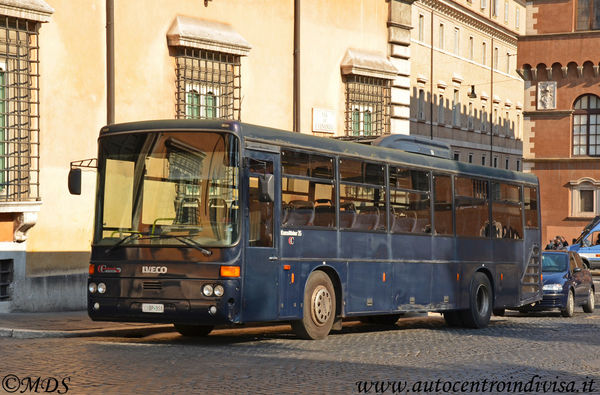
{"points": [[207, 290], [92, 288], [101, 288], [219, 290]]}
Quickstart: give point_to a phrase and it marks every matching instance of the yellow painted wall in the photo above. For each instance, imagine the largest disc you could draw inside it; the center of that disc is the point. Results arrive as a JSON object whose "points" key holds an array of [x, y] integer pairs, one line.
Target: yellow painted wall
{"points": [[72, 110], [73, 87]]}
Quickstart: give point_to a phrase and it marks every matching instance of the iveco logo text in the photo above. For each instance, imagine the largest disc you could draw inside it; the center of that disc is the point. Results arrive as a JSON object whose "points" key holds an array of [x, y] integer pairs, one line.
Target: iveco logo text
{"points": [[154, 269]]}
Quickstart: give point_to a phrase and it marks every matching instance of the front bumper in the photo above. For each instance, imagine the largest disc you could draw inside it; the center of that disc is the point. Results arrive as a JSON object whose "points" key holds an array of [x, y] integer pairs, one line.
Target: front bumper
{"points": [[182, 301], [550, 301]]}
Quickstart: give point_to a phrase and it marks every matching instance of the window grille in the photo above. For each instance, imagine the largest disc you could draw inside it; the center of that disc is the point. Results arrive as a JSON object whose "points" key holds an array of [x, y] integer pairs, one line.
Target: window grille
{"points": [[208, 84], [19, 110], [6, 278], [368, 101]]}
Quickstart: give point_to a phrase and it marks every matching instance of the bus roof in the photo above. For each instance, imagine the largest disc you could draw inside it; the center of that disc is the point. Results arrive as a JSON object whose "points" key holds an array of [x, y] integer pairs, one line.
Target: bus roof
{"points": [[278, 137]]}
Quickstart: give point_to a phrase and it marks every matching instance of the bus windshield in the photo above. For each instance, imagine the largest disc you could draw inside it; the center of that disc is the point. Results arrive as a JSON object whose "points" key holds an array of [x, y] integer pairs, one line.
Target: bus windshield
{"points": [[168, 188]]}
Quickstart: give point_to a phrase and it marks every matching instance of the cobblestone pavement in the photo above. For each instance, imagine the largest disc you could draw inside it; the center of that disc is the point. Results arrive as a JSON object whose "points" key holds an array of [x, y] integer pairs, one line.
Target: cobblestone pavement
{"points": [[515, 348]]}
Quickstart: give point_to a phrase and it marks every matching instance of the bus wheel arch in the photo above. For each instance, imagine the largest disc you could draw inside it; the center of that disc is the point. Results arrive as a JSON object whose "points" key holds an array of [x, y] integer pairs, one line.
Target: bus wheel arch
{"points": [[481, 301], [319, 307]]}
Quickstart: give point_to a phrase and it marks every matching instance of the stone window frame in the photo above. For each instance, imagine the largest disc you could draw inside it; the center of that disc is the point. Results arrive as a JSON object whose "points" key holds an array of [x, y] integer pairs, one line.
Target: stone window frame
{"points": [[208, 67], [576, 187], [367, 78], [22, 199]]}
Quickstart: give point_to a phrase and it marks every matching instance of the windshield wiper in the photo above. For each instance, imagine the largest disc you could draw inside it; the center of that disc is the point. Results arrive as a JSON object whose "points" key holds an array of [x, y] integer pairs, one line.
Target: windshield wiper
{"points": [[187, 241], [190, 242], [123, 241]]}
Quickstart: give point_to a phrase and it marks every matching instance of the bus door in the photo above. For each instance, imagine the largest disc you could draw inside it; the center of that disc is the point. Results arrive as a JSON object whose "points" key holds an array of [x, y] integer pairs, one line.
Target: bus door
{"points": [[261, 222]]}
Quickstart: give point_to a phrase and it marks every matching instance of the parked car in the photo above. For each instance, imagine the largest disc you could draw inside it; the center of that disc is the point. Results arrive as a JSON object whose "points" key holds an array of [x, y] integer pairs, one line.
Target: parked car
{"points": [[588, 243], [567, 283]]}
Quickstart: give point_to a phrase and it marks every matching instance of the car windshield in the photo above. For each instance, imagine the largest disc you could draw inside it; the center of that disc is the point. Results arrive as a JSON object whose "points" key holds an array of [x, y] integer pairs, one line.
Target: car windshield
{"points": [[168, 188], [554, 263]]}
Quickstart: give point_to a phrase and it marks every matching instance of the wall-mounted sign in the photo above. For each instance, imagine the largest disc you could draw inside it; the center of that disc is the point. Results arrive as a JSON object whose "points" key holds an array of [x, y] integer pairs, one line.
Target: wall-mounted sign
{"points": [[323, 120]]}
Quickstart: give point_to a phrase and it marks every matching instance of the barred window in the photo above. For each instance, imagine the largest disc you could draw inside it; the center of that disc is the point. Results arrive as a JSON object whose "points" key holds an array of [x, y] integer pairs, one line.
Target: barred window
{"points": [[367, 105], [19, 110], [208, 84]]}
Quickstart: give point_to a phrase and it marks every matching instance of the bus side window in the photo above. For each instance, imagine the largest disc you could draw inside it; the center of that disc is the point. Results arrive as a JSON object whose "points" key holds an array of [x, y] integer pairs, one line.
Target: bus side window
{"points": [[261, 217]]}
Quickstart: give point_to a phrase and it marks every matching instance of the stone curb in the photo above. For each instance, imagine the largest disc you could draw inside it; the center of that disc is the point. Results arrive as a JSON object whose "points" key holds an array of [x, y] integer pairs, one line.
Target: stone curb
{"points": [[41, 334]]}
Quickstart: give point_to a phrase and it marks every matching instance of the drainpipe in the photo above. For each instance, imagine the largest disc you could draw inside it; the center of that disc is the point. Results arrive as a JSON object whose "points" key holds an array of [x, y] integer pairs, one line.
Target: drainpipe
{"points": [[110, 61], [296, 103], [431, 54], [492, 103]]}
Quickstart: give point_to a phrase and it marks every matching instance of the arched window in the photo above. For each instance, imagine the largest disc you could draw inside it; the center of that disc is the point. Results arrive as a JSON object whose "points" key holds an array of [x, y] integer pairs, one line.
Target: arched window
{"points": [[586, 126]]}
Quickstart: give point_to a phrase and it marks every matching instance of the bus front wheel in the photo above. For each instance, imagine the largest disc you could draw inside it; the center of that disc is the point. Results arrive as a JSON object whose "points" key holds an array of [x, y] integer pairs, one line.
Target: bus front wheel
{"points": [[193, 330], [480, 302], [319, 308]]}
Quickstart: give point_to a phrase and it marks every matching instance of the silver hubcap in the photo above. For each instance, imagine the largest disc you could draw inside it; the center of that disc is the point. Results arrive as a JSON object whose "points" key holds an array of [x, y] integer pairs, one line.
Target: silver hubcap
{"points": [[483, 303], [321, 305]]}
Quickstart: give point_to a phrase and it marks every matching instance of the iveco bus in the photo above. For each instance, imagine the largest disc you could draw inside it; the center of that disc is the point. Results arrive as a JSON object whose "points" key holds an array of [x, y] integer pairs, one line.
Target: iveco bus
{"points": [[203, 223]]}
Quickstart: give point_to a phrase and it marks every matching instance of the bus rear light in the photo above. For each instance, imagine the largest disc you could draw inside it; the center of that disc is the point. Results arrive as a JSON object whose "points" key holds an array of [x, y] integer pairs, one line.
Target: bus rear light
{"points": [[287, 267], [230, 271], [91, 269]]}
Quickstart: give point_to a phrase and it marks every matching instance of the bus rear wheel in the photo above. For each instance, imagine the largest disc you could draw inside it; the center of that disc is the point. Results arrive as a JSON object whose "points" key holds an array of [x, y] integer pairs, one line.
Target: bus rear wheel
{"points": [[193, 330], [319, 308], [480, 302]]}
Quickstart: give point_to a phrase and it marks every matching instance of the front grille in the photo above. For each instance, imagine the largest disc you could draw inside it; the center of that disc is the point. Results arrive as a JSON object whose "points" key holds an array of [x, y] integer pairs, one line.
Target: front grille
{"points": [[551, 301], [152, 285]]}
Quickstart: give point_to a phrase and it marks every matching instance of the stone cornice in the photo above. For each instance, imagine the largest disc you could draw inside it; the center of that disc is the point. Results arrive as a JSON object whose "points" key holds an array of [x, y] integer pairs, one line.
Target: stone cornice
{"points": [[548, 113], [479, 22], [34, 10], [562, 160]]}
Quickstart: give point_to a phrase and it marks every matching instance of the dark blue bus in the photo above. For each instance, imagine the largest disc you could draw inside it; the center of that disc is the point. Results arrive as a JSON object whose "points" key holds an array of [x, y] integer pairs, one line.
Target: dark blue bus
{"points": [[206, 223]]}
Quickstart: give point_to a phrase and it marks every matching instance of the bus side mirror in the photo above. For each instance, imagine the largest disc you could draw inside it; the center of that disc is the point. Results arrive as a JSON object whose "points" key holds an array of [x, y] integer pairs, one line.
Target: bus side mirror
{"points": [[75, 181], [266, 188]]}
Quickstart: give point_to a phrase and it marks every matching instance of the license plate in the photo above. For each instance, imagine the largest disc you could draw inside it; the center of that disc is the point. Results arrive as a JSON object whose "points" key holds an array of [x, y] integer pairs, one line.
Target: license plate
{"points": [[153, 308]]}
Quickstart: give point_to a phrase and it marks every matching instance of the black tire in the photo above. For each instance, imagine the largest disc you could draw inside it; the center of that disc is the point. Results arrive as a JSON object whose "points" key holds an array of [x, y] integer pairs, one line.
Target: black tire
{"points": [[319, 312], [499, 312], [570, 306], [193, 330], [453, 318], [588, 307], [480, 302]]}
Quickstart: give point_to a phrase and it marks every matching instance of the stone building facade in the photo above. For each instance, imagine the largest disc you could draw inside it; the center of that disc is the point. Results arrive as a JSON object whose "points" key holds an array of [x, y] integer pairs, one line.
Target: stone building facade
{"points": [[464, 85], [559, 62], [332, 68]]}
